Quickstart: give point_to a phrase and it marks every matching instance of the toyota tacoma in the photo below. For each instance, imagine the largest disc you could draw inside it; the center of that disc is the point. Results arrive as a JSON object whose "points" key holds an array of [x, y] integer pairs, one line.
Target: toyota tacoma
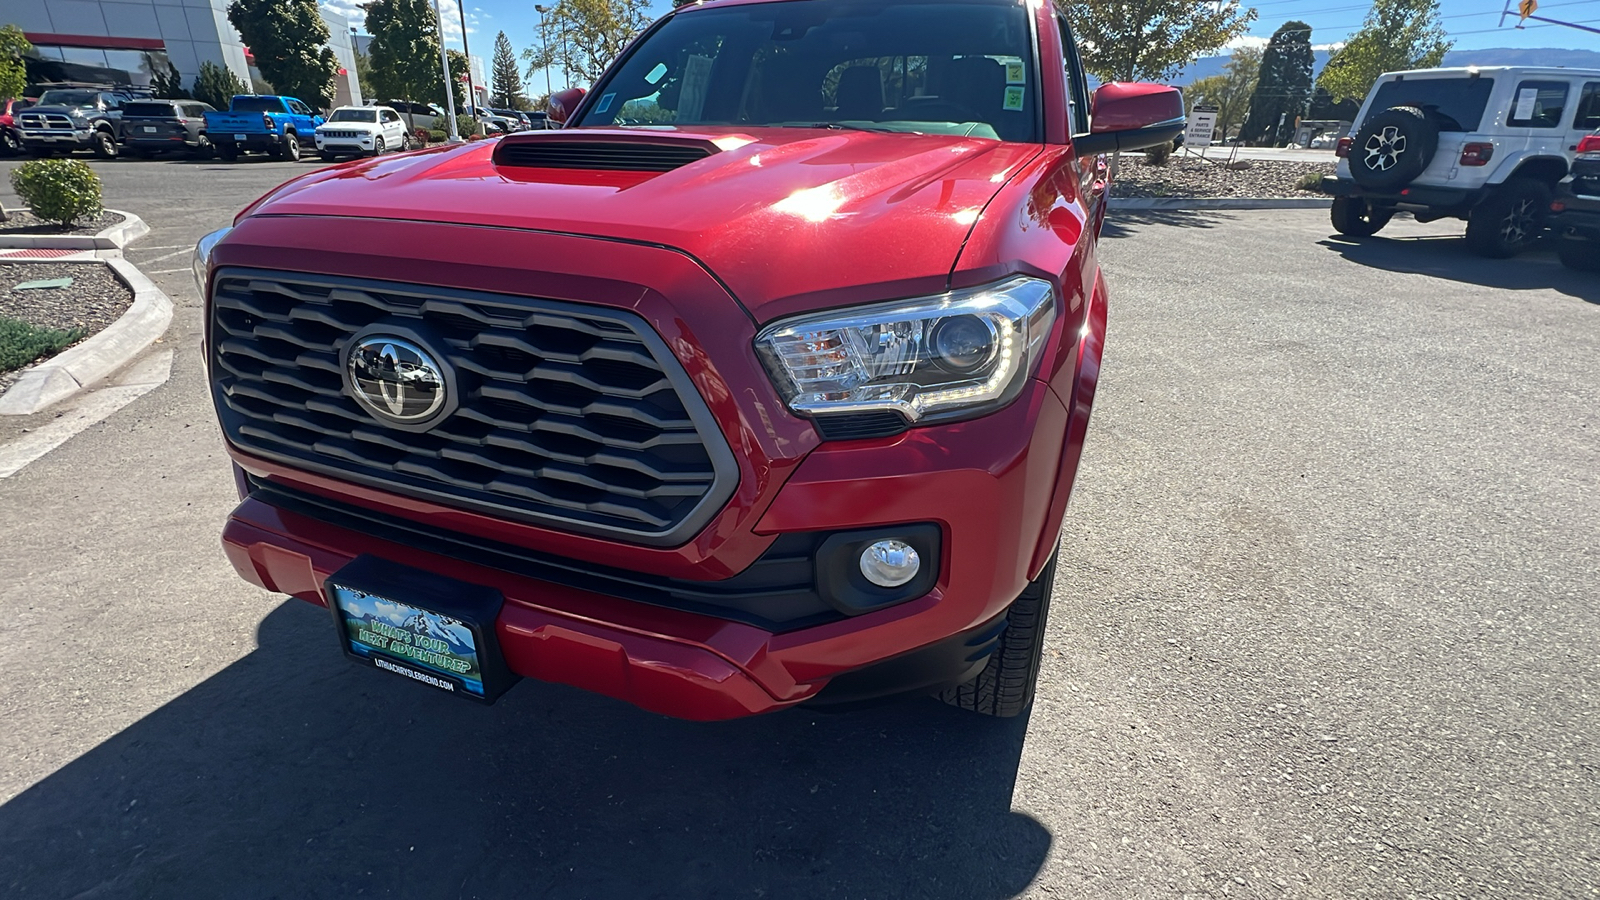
{"points": [[762, 382]]}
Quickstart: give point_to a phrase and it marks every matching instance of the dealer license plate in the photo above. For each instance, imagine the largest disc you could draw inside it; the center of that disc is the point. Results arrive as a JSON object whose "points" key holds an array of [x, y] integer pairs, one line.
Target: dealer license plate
{"points": [[238, 137], [425, 646], [149, 129]]}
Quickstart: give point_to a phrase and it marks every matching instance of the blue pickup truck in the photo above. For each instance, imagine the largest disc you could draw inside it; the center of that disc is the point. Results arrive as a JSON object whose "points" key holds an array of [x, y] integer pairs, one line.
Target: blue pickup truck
{"points": [[256, 122]]}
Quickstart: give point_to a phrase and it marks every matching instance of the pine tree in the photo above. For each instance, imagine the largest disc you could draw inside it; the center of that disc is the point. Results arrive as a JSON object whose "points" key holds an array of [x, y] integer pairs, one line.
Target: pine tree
{"points": [[1283, 89], [1397, 35], [1151, 40], [289, 40], [507, 81], [166, 83]]}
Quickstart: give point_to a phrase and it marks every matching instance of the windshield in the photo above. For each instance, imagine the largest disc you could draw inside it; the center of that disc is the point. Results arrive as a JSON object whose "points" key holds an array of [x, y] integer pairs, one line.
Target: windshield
{"points": [[148, 110], [946, 68], [1456, 104], [354, 115], [66, 98], [256, 104]]}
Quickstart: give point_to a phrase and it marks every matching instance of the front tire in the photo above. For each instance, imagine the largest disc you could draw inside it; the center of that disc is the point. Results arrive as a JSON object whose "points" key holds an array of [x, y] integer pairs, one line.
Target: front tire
{"points": [[1579, 254], [10, 144], [1356, 217], [1005, 687], [105, 145], [291, 146], [1510, 219], [377, 147]]}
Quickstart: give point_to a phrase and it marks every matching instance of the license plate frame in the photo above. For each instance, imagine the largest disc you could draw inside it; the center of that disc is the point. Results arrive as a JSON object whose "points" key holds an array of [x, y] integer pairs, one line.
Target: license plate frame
{"points": [[420, 625], [148, 129]]}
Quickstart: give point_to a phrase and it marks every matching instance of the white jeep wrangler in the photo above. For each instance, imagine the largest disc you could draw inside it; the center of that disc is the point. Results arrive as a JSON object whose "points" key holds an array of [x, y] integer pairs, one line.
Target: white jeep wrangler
{"points": [[1483, 144]]}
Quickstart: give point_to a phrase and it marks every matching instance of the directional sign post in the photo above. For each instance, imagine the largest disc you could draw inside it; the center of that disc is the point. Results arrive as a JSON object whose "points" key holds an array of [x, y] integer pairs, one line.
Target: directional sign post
{"points": [[1201, 129]]}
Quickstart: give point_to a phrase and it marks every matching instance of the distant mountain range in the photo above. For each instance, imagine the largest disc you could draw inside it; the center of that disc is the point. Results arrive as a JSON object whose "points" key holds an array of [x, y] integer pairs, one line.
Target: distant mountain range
{"points": [[1491, 56]]}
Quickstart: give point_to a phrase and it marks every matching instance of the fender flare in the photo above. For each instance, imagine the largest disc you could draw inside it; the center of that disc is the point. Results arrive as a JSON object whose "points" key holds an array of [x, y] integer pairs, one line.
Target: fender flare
{"points": [[1085, 379]]}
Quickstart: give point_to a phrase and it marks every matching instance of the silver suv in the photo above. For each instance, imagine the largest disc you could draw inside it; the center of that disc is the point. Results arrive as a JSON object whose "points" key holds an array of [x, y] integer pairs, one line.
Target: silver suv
{"points": [[1487, 145]]}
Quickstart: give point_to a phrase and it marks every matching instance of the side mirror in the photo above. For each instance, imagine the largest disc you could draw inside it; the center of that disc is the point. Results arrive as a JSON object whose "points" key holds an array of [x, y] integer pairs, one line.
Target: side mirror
{"points": [[564, 103], [1131, 115]]}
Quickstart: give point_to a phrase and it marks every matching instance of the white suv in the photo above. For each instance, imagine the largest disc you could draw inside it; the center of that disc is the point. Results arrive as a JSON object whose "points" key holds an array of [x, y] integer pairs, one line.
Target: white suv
{"points": [[362, 131], [1483, 144]]}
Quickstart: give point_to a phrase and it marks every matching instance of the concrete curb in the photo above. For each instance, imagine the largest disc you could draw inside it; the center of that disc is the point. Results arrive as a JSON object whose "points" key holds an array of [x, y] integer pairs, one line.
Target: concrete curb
{"points": [[1195, 203], [69, 372], [114, 237]]}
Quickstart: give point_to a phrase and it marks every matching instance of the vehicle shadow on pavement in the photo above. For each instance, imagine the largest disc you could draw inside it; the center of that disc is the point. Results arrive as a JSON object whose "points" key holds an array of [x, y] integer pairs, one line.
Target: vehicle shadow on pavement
{"points": [[1448, 257], [294, 774], [1121, 223]]}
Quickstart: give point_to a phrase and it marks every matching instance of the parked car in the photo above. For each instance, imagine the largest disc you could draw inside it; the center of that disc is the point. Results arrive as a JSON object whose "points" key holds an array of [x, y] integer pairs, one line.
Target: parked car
{"points": [[493, 122], [1575, 212], [362, 131], [68, 119], [159, 126], [513, 119], [10, 136], [540, 121], [278, 125], [717, 419], [424, 116], [1486, 144]]}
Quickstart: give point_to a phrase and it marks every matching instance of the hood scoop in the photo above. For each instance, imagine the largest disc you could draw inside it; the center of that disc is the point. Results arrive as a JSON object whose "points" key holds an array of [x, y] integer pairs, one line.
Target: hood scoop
{"points": [[601, 150]]}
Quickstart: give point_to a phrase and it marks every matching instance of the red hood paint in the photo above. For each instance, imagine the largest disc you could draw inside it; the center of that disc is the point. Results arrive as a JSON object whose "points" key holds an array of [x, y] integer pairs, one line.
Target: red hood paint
{"points": [[789, 219]]}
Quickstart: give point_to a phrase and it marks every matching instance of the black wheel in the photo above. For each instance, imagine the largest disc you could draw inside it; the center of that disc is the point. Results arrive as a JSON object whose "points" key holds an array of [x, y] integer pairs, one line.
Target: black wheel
{"points": [[405, 142], [1393, 147], [1579, 254], [291, 146], [10, 144], [1005, 686], [105, 145], [1509, 219], [203, 148], [1358, 218], [227, 151], [377, 146]]}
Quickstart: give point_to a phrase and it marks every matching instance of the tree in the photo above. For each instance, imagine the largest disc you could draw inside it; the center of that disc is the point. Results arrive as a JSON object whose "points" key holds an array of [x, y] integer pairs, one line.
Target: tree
{"points": [[166, 83], [14, 49], [1284, 87], [506, 81], [589, 35], [1230, 92], [404, 53], [1151, 39], [289, 40], [1397, 35], [216, 85], [363, 72]]}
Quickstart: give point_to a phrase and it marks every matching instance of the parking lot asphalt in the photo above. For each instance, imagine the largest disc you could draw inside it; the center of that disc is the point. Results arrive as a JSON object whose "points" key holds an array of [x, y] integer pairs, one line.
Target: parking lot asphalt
{"points": [[1325, 626]]}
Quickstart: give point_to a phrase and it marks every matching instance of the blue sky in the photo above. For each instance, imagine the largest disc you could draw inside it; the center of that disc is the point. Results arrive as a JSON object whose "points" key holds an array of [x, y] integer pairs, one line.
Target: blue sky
{"points": [[1473, 23]]}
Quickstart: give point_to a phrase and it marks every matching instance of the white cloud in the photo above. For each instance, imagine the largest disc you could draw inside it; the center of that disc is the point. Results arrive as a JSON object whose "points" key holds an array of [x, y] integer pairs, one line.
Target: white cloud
{"points": [[351, 9], [1248, 40]]}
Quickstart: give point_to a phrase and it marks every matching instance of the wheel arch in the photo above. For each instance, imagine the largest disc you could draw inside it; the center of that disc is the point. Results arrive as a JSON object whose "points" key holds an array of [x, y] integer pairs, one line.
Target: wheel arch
{"points": [[1548, 169]]}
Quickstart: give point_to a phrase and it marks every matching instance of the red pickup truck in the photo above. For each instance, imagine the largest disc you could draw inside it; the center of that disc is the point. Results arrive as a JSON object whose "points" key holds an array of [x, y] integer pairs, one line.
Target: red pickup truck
{"points": [[762, 382]]}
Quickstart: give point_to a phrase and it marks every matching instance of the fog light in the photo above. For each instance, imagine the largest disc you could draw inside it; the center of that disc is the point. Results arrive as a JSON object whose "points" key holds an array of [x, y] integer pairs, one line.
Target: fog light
{"points": [[890, 563]]}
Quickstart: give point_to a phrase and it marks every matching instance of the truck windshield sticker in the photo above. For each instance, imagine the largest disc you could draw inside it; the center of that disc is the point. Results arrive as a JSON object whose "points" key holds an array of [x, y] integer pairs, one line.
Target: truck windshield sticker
{"points": [[604, 106], [1013, 98], [1016, 73]]}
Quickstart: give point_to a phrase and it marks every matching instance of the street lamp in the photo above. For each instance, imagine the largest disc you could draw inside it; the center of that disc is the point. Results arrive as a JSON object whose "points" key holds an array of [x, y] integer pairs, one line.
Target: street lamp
{"points": [[449, 85]]}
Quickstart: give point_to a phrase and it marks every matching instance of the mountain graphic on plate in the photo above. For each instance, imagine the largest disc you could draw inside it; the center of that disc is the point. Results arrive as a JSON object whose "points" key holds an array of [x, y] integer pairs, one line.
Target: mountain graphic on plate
{"points": [[437, 626]]}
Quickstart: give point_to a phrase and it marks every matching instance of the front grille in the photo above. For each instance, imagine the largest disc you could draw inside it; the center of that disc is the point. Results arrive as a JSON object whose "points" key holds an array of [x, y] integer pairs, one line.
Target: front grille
{"points": [[572, 416], [778, 592], [36, 120], [341, 134]]}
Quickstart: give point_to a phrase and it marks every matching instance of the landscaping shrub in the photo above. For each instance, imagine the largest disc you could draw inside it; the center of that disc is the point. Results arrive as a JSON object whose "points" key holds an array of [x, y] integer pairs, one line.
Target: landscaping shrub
{"points": [[21, 343], [1310, 181], [58, 190], [437, 136], [1158, 155]]}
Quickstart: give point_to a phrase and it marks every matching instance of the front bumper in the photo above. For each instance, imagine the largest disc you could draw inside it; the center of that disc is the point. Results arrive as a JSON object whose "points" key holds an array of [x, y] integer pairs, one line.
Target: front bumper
{"points": [[56, 138], [984, 496], [344, 144]]}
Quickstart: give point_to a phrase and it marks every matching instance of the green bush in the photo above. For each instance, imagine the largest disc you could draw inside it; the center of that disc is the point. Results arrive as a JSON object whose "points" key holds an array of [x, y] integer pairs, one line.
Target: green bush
{"points": [[1158, 155], [437, 136], [21, 343], [58, 190], [1310, 181]]}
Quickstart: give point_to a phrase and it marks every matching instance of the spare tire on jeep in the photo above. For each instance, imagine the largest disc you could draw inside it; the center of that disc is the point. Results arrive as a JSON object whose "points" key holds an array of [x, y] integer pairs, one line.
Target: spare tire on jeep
{"points": [[1393, 148]]}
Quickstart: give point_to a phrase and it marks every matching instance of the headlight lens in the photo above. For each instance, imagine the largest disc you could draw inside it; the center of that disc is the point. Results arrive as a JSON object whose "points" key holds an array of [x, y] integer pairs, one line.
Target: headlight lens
{"points": [[202, 258], [928, 359]]}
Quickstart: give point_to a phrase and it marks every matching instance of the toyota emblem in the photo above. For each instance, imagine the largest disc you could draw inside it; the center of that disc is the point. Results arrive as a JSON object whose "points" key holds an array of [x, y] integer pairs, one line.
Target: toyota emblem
{"points": [[396, 380]]}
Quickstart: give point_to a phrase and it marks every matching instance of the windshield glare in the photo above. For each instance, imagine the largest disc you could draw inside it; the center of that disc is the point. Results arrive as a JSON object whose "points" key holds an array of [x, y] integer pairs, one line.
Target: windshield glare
{"points": [[945, 68], [66, 98], [354, 115]]}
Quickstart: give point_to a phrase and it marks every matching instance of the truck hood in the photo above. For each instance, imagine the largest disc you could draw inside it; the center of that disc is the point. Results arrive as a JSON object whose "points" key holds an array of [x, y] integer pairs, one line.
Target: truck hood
{"points": [[789, 219], [76, 112]]}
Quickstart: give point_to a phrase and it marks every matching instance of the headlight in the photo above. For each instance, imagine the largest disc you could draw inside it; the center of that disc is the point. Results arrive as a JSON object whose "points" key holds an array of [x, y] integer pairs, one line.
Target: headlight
{"points": [[929, 359], [202, 258]]}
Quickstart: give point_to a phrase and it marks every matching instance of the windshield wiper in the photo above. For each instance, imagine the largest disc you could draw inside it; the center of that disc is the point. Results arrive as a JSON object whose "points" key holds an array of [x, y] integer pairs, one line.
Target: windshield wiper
{"points": [[841, 126]]}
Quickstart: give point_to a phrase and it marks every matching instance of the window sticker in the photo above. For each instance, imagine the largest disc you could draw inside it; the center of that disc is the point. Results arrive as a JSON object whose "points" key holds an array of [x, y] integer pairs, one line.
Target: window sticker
{"points": [[1013, 98], [1016, 73], [604, 106], [1526, 98]]}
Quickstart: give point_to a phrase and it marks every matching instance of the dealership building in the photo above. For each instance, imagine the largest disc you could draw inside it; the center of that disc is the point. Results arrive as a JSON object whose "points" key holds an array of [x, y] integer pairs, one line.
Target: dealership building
{"points": [[125, 41]]}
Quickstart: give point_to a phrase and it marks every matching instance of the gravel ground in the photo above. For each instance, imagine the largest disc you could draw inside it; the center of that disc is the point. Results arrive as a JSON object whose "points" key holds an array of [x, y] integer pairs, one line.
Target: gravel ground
{"points": [[95, 299], [1193, 178], [20, 221]]}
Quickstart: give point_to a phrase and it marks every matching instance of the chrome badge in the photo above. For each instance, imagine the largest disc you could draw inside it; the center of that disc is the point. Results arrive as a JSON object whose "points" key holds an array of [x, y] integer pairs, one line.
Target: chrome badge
{"points": [[396, 380]]}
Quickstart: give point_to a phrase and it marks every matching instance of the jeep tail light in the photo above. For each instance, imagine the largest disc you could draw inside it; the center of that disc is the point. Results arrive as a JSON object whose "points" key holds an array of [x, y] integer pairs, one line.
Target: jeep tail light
{"points": [[1589, 147], [1342, 149], [1476, 154]]}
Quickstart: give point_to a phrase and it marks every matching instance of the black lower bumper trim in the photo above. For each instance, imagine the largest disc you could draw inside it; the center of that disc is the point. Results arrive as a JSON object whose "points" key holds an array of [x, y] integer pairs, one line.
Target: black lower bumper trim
{"points": [[952, 661]]}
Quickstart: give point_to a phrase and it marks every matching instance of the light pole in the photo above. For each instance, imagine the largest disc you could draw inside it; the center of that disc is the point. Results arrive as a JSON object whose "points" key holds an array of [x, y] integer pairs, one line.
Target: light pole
{"points": [[449, 83], [544, 35], [472, 91]]}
